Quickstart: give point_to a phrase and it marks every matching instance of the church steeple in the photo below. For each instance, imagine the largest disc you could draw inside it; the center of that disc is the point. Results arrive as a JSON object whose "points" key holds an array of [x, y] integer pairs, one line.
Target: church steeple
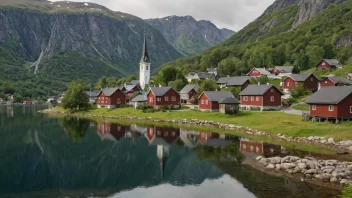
{"points": [[145, 56]]}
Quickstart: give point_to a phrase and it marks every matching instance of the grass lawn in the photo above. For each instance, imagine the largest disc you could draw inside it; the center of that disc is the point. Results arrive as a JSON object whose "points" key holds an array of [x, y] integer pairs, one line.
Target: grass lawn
{"points": [[271, 122], [301, 107]]}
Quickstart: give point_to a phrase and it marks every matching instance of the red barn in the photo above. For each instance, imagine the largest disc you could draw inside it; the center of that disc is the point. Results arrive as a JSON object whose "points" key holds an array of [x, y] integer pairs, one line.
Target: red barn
{"points": [[262, 96], [309, 81], [188, 92], [209, 100], [234, 81], [163, 96], [328, 64], [110, 98], [258, 72], [331, 103], [334, 81]]}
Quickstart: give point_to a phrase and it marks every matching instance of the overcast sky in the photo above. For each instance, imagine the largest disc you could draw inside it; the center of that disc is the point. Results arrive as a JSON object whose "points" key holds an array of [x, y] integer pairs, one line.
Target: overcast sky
{"points": [[232, 14]]}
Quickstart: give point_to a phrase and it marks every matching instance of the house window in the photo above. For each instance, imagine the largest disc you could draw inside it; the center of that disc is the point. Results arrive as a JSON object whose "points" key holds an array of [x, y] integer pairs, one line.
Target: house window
{"points": [[326, 82], [151, 99], [314, 107], [323, 63], [173, 98], [257, 98], [311, 79], [252, 98], [331, 107], [158, 99], [272, 98], [166, 98], [118, 101], [350, 109], [206, 102], [202, 101], [288, 84], [272, 90], [146, 67], [245, 98]]}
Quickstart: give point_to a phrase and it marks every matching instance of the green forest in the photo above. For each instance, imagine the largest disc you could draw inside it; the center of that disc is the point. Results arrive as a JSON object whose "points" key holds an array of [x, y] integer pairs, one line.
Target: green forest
{"points": [[271, 40]]}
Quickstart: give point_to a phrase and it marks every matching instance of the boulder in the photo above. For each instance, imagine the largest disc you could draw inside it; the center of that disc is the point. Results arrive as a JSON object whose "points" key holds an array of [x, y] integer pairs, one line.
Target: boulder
{"points": [[302, 165], [319, 177], [263, 161], [311, 171], [286, 166], [323, 141], [278, 166], [270, 166], [347, 143], [258, 158], [327, 171], [331, 140], [275, 160], [333, 180]]}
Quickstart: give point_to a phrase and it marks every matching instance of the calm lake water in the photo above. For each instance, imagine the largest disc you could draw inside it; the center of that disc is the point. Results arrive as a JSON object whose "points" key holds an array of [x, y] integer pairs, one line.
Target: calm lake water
{"points": [[70, 157]]}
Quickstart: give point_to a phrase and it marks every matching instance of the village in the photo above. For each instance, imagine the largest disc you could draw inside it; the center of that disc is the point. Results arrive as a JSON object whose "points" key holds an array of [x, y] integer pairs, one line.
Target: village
{"points": [[325, 99]]}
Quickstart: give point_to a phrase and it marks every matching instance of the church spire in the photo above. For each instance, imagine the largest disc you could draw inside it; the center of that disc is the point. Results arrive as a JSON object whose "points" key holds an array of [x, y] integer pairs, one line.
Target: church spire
{"points": [[145, 56]]}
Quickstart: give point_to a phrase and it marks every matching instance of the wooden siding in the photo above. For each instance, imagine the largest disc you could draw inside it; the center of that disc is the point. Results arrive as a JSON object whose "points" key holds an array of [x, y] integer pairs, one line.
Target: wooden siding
{"points": [[253, 102], [116, 98], [206, 104], [323, 111], [267, 98], [326, 83], [166, 99], [289, 84], [323, 65], [254, 73], [311, 83]]}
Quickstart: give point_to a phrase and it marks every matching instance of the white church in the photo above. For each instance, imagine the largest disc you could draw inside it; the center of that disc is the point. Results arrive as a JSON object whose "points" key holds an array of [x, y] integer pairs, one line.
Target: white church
{"points": [[144, 71]]}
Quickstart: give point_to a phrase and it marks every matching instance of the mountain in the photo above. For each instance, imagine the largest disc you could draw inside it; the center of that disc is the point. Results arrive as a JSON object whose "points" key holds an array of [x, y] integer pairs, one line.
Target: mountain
{"points": [[189, 36], [66, 40], [289, 32]]}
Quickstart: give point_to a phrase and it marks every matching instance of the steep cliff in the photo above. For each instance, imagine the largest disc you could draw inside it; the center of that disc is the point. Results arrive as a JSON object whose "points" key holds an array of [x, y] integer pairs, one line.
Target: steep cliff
{"points": [[78, 40], [189, 36]]}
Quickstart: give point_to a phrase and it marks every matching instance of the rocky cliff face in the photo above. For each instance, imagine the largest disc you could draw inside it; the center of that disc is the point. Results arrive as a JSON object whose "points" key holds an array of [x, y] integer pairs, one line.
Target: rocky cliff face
{"points": [[188, 35], [40, 31], [307, 8]]}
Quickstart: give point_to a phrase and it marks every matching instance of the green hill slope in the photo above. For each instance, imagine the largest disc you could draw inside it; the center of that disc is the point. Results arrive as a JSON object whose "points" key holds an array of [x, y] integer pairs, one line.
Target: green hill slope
{"points": [[274, 39]]}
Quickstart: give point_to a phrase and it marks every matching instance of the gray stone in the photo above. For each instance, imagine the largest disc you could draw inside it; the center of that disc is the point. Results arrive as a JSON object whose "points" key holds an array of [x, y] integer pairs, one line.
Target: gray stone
{"points": [[302, 165], [323, 141], [343, 181], [310, 138], [331, 140], [275, 160], [347, 143], [319, 177], [271, 166], [333, 180], [327, 171], [350, 148], [311, 171], [278, 166], [258, 158], [286, 166]]}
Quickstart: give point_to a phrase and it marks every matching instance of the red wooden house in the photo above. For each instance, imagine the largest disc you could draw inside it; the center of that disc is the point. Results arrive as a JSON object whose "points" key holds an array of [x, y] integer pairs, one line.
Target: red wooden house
{"points": [[163, 96], [262, 96], [309, 81], [328, 64], [331, 103], [334, 81], [258, 72], [209, 100], [282, 70], [110, 98], [130, 89], [188, 92]]}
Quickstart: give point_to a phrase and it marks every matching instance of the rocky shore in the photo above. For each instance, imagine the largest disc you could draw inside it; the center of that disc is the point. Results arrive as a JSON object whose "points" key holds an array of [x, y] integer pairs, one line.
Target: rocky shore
{"points": [[328, 142], [323, 170]]}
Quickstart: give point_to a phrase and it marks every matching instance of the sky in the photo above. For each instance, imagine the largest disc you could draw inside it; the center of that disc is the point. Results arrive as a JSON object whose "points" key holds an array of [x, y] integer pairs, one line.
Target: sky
{"points": [[231, 14]]}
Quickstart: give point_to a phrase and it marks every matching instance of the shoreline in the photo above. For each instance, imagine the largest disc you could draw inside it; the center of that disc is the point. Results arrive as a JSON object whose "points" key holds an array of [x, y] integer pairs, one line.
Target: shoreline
{"points": [[343, 146]]}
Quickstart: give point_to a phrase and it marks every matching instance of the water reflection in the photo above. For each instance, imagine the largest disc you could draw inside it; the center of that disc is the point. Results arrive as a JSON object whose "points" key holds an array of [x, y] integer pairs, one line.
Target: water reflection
{"points": [[42, 159]]}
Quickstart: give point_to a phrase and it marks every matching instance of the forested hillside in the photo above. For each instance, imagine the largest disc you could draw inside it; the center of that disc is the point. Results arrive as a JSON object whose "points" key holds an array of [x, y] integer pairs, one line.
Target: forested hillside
{"points": [[273, 39]]}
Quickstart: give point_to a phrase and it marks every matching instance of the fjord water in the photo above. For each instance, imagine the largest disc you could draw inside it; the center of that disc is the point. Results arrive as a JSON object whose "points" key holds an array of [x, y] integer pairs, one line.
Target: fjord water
{"points": [[70, 157]]}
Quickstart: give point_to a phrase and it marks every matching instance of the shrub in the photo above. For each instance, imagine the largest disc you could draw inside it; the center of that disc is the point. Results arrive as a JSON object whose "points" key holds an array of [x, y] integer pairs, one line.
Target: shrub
{"points": [[347, 192], [148, 110], [299, 91]]}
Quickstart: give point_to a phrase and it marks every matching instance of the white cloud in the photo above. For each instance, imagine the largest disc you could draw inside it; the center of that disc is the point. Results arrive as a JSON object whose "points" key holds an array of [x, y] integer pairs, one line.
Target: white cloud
{"points": [[232, 14]]}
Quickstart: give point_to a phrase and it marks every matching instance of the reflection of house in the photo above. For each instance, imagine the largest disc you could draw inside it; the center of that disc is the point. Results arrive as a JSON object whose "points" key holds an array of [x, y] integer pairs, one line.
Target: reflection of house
{"points": [[162, 135], [28, 102], [188, 92], [110, 131], [349, 76], [260, 148]]}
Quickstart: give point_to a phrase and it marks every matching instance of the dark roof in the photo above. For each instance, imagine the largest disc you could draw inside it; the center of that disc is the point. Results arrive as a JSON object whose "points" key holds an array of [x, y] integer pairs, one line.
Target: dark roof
{"points": [[134, 82], [233, 81], [285, 69], [330, 95], [139, 98], [109, 91], [338, 80], [300, 77], [92, 93], [349, 74], [204, 75], [261, 71], [145, 56], [160, 91], [130, 87], [332, 62], [189, 87], [257, 90], [229, 100], [216, 96]]}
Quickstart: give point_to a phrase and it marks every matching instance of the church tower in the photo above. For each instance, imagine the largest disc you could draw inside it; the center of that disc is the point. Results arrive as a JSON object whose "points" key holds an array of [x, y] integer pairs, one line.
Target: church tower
{"points": [[144, 66]]}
